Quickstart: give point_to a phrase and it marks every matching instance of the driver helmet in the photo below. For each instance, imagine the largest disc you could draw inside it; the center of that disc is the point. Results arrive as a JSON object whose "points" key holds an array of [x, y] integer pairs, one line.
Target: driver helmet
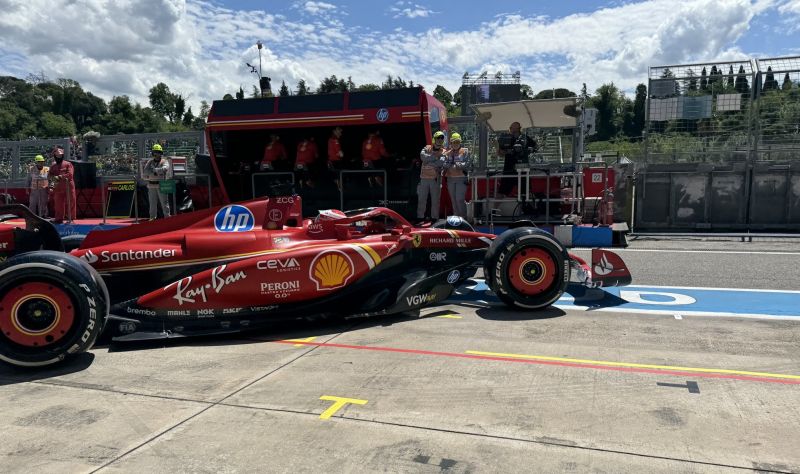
{"points": [[329, 215]]}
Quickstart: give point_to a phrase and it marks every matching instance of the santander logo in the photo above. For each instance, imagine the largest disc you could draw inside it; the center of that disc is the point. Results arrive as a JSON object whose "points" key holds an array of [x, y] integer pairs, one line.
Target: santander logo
{"points": [[604, 267]]}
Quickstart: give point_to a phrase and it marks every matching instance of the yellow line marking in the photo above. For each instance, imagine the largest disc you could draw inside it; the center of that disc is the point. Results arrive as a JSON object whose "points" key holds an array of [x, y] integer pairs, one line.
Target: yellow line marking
{"points": [[307, 339], [338, 403], [634, 365], [449, 316]]}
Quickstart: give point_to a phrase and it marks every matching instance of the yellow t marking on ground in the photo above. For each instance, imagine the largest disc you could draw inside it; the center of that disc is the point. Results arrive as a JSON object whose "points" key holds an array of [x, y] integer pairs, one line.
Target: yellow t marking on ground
{"points": [[639, 366], [338, 402], [307, 339], [449, 316]]}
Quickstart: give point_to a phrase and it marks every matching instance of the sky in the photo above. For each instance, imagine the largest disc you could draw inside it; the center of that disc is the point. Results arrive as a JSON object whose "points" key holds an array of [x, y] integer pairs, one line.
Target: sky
{"points": [[200, 48]]}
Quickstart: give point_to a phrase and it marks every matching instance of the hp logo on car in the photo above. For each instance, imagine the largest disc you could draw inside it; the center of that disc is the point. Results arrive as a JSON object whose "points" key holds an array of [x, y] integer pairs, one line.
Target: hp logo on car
{"points": [[234, 218], [382, 115], [454, 221]]}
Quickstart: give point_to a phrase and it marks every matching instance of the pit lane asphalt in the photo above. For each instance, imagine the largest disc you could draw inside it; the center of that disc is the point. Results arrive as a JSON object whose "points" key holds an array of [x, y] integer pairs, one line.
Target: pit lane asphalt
{"points": [[584, 398]]}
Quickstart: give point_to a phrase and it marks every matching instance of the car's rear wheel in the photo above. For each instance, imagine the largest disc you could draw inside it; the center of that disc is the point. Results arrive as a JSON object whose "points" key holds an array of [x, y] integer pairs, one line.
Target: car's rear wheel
{"points": [[527, 268], [52, 306]]}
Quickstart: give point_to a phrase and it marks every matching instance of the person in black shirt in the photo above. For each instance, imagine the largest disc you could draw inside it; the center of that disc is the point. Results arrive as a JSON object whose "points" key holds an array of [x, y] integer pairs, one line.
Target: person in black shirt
{"points": [[514, 156]]}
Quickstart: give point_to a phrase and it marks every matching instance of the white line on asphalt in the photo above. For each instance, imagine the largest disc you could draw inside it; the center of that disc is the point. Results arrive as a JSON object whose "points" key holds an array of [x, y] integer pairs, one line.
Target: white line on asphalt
{"points": [[684, 313], [731, 252], [712, 288]]}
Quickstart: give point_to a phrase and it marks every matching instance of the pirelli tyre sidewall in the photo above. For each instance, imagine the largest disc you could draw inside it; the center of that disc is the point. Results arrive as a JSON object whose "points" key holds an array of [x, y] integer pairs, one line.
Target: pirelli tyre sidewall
{"points": [[52, 306], [527, 268]]}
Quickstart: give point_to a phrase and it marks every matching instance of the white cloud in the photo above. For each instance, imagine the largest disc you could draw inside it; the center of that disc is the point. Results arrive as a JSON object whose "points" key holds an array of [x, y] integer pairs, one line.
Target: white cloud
{"points": [[410, 10], [316, 8], [200, 48]]}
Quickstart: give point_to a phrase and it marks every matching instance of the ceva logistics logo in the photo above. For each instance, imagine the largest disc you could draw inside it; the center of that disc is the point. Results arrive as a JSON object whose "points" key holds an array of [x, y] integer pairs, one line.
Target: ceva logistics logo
{"points": [[234, 218]]}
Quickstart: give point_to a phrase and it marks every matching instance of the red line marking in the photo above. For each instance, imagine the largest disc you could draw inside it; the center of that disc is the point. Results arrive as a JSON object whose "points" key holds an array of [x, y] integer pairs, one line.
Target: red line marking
{"points": [[549, 362]]}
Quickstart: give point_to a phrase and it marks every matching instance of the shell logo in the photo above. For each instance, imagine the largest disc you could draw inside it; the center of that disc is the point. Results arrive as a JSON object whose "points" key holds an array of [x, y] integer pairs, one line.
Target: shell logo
{"points": [[331, 270]]}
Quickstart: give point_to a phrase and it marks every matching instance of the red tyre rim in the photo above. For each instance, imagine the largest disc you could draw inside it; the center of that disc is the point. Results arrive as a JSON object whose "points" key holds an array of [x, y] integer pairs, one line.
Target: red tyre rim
{"points": [[531, 271], [36, 314]]}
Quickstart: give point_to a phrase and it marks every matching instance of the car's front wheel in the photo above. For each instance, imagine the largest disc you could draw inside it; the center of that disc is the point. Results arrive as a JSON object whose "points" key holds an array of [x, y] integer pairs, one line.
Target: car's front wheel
{"points": [[52, 305]]}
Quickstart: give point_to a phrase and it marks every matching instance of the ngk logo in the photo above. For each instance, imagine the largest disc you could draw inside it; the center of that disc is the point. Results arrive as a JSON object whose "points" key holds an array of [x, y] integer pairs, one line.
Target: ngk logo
{"points": [[438, 256]]}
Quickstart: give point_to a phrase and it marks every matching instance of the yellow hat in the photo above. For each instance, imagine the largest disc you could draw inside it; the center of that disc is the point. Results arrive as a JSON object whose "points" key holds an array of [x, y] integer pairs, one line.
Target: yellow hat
{"points": [[38, 158], [439, 134], [157, 147], [455, 137]]}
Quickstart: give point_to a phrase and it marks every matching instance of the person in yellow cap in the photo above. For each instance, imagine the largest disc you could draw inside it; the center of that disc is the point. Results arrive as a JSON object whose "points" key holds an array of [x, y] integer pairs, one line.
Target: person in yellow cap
{"points": [[156, 169], [429, 183], [37, 188], [456, 164]]}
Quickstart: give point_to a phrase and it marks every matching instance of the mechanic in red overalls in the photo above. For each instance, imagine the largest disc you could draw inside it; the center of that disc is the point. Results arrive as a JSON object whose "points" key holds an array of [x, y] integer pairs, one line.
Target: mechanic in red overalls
{"points": [[305, 159], [62, 174], [273, 152], [373, 151], [335, 155]]}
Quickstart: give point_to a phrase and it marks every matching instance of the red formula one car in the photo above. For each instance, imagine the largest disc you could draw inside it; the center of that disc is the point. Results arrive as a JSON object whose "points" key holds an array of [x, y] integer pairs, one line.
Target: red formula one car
{"points": [[247, 265]]}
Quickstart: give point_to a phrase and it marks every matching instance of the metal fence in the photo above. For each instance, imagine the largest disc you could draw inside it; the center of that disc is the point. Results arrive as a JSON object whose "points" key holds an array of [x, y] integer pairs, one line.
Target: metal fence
{"points": [[112, 154], [722, 147]]}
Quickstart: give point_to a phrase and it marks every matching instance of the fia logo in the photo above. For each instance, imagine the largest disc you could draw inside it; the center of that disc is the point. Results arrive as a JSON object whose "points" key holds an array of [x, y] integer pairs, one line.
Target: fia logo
{"points": [[382, 115], [234, 218]]}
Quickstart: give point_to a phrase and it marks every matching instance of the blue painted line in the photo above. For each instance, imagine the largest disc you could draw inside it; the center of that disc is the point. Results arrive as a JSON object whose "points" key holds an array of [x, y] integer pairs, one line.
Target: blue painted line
{"points": [[665, 300]]}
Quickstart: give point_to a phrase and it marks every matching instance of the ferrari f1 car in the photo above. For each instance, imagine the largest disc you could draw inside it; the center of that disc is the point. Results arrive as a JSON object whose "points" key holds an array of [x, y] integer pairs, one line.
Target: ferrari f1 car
{"points": [[244, 266]]}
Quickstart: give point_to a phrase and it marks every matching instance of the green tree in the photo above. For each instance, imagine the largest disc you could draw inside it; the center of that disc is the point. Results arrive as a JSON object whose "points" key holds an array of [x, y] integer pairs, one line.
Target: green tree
{"points": [[525, 92], [240, 94], [162, 101], [770, 84], [730, 84], [180, 107], [445, 97], [703, 80], [557, 93], [302, 88], [284, 91], [742, 86], [787, 83], [608, 100], [188, 118], [368, 87], [227, 97], [56, 126], [638, 111], [331, 84]]}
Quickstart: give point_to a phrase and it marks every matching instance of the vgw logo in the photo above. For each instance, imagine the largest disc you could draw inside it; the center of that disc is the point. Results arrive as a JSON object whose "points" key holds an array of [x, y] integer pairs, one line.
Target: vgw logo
{"points": [[234, 218]]}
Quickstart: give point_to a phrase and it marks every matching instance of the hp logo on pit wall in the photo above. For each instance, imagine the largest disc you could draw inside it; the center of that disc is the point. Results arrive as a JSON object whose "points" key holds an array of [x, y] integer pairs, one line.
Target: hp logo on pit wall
{"points": [[382, 115], [234, 218]]}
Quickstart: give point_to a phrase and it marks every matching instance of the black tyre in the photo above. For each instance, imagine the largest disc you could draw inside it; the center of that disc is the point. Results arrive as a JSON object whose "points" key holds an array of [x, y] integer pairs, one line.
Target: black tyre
{"points": [[52, 306], [453, 222], [527, 268], [71, 242]]}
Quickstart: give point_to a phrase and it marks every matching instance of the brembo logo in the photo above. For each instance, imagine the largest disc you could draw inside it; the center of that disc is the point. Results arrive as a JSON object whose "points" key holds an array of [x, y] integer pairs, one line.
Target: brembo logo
{"points": [[234, 218]]}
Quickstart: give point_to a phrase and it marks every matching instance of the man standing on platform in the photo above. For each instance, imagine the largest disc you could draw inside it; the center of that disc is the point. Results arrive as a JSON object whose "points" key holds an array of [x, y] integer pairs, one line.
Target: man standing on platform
{"points": [[156, 170], [335, 155], [432, 157], [62, 175], [274, 151], [373, 154], [38, 185]]}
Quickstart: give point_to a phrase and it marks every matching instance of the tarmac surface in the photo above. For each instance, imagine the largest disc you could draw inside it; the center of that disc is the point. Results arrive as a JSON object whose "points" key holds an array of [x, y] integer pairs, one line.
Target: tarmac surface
{"points": [[463, 387]]}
